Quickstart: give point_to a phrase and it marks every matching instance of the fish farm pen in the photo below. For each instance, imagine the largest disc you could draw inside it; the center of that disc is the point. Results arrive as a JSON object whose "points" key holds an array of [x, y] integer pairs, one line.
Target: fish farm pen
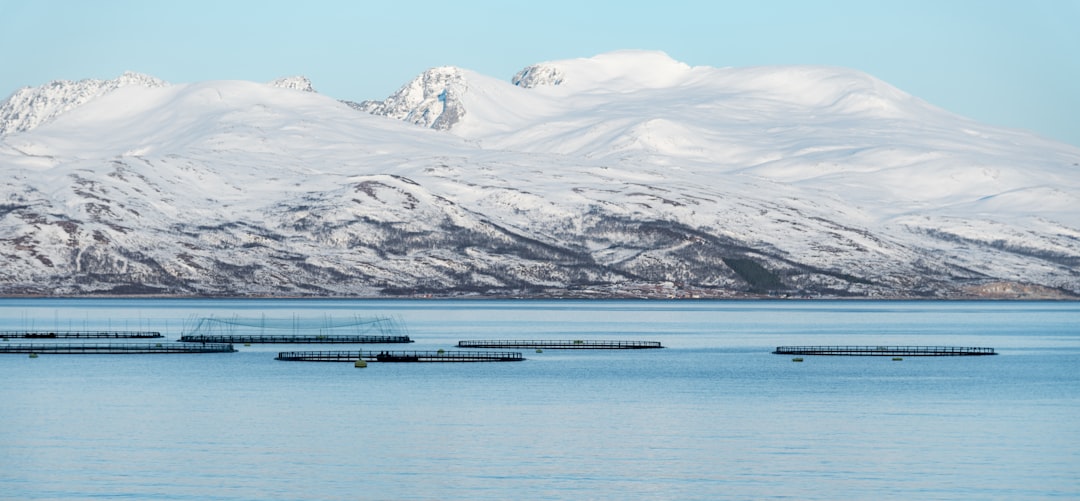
{"points": [[578, 344], [292, 339], [354, 329], [115, 348], [399, 356], [79, 335], [885, 351]]}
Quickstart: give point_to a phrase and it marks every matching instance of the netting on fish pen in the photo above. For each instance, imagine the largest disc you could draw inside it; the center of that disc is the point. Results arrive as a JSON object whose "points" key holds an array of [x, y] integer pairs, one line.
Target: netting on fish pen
{"points": [[320, 326]]}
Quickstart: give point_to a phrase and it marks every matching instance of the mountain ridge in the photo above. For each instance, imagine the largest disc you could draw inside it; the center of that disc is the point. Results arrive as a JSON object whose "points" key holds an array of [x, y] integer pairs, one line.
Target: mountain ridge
{"points": [[589, 177], [30, 107]]}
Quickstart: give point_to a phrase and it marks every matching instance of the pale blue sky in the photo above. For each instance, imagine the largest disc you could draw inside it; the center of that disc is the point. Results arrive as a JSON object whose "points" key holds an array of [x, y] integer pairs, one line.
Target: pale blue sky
{"points": [[1010, 63]]}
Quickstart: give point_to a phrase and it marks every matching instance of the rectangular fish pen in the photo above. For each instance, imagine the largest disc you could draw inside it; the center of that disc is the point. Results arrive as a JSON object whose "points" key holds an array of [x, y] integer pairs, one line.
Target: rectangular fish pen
{"points": [[79, 334], [296, 330], [292, 339], [399, 356], [885, 351], [577, 344], [114, 348]]}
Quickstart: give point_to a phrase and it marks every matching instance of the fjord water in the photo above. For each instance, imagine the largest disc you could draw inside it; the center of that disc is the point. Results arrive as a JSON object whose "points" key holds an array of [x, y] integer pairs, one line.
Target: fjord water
{"points": [[714, 415]]}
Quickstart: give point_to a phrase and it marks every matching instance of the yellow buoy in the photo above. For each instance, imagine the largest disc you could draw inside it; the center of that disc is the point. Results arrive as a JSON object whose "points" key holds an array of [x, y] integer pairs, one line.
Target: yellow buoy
{"points": [[33, 355], [897, 359], [797, 359], [538, 350], [247, 344], [360, 363]]}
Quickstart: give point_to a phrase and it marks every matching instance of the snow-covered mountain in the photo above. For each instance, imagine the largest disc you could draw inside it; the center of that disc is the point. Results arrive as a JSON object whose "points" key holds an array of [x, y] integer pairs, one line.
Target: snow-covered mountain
{"points": [[30, 107], [624, 173], [432, 99]]}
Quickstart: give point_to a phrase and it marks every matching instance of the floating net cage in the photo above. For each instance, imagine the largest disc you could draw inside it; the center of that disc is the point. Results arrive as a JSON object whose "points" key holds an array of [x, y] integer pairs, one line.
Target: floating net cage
{"points": [[324, 326]]}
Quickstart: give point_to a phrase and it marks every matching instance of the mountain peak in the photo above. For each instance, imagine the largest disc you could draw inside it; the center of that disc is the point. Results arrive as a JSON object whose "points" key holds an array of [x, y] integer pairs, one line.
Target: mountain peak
{"points": [[30, 107], [437, 98], [432, 99], [129, 78], [297, 82], [633, 68], [538, 75]]}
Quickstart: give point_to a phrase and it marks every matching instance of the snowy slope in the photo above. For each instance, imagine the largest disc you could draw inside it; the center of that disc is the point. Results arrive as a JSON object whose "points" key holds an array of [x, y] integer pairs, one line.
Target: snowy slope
{"points": [[30, 107], [817, 126], [624, 173]]}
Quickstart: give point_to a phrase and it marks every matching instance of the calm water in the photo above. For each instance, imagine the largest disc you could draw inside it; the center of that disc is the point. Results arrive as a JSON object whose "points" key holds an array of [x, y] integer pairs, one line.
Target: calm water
{"points": [[712, 416]]}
